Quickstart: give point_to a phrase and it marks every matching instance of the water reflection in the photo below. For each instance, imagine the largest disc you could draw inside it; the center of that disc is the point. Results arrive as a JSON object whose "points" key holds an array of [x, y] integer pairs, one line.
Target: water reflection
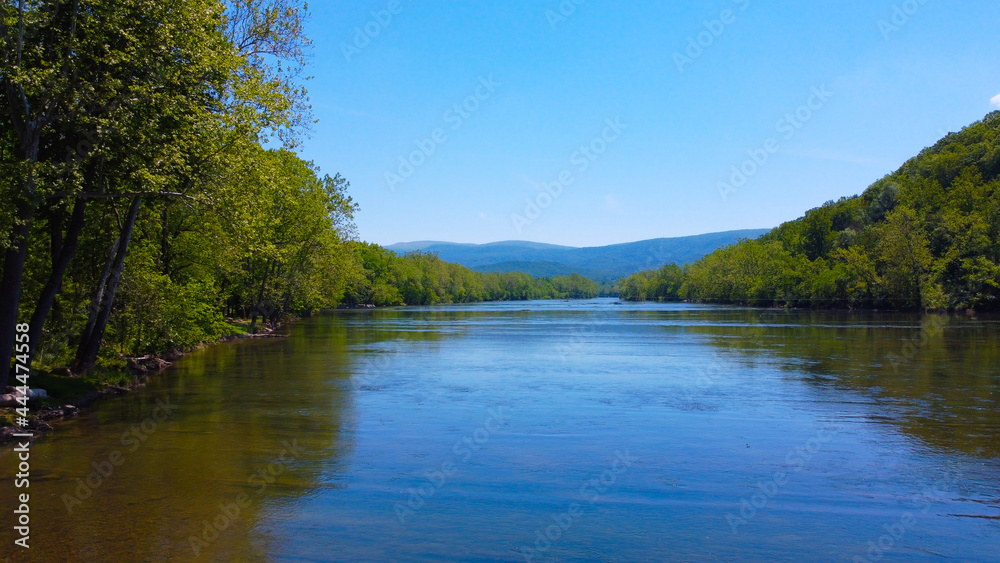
{"points": [[248, 428], [937, 377]]}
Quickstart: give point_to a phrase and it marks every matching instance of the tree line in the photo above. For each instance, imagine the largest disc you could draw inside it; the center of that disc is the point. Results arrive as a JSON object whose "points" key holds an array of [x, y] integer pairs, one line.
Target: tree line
{"points": [[924, 237], [424, 279]]}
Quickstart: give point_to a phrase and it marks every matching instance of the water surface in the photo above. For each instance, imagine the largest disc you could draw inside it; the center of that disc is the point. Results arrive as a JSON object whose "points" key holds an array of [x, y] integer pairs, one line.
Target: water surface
{"points": [[558, 431]]}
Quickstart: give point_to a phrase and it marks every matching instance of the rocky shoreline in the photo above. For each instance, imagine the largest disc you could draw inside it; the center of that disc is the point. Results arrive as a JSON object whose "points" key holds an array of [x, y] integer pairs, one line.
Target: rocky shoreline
{"points": [[140, 368]]}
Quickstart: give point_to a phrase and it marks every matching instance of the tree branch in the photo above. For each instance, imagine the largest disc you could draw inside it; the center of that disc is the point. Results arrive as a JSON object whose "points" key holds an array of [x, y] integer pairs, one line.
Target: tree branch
{"points": [[102, 195]]}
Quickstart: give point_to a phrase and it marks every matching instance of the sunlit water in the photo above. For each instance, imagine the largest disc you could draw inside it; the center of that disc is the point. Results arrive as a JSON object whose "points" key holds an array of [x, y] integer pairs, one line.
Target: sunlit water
{"points": [[541, 431]]}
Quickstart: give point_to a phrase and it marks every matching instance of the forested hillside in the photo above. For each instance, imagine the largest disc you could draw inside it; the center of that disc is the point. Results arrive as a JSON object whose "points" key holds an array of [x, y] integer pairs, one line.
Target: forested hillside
{"points": [[924, 237]]}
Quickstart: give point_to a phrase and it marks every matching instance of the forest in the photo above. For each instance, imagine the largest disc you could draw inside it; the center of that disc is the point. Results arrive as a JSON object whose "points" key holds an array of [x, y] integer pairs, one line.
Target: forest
{"points": [[926, 237], [424, 279], [152, 197]]}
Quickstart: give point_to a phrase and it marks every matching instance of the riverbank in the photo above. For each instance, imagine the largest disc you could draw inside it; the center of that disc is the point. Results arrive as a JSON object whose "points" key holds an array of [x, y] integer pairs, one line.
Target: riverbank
{"points": [[67, 395]]}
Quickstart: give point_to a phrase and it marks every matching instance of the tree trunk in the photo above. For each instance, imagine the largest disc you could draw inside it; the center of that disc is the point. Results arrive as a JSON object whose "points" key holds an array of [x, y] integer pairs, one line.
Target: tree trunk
{"points": [[90, 345], [260, 298], [102, 283], [63, 254], [10, 285], [165, 258]]}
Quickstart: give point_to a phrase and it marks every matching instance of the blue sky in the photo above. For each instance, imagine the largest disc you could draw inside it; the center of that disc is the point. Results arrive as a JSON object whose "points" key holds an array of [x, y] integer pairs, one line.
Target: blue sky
{"points": [[580, 123]]}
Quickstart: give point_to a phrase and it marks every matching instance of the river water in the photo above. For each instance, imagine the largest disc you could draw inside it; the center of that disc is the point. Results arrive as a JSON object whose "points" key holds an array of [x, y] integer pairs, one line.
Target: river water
{"points": [[541, 431]]}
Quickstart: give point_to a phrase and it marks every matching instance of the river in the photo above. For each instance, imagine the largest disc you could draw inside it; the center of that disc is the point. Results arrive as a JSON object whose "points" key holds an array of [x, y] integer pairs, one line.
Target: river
{"points": [[541, 431]]}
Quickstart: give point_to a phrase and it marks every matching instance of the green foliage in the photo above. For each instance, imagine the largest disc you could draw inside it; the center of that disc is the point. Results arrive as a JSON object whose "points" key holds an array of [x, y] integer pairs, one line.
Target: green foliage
{"points": [[61, 389], [575, 286], [140, 104], [385, 279], [926, 236]]}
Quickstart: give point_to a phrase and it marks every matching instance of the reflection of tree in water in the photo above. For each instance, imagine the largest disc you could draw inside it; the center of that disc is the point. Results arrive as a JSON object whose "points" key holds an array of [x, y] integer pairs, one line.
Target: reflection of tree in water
{"points": [[939, 374], [238, 407]]}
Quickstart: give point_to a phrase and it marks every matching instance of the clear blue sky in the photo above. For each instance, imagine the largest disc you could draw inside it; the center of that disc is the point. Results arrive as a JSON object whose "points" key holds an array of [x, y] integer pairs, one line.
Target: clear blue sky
{"points": [[897, 76]]}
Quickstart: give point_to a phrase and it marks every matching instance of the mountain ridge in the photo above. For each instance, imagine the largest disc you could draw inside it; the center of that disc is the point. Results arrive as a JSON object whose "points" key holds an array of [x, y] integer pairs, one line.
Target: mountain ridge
{"points": [[603, 263]]}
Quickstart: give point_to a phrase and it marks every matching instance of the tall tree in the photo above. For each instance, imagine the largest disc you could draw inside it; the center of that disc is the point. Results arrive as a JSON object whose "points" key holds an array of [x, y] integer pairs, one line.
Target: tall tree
{"points": [[40, 81]]}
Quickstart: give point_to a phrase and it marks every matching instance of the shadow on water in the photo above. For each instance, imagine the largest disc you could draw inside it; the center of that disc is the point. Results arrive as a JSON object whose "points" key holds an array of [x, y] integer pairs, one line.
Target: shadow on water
{"points": [[936, 377]]}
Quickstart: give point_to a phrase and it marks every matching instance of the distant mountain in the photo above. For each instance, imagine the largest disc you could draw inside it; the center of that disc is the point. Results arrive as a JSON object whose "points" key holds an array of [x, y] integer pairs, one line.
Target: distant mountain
{"points": [[597, 262]]}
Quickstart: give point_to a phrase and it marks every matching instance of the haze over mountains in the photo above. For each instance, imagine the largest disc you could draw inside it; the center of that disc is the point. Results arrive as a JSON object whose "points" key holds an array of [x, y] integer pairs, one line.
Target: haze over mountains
{"points": [[601, 263]]}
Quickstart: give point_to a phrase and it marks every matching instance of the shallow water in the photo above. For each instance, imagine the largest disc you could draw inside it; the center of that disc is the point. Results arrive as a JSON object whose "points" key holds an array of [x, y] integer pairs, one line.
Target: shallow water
{"points": [[542, 431]]}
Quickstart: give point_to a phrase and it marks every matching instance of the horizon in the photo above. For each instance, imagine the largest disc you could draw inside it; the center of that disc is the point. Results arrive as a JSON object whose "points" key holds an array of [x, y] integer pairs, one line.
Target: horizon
{"points": [[557, 141], [512, 241]]}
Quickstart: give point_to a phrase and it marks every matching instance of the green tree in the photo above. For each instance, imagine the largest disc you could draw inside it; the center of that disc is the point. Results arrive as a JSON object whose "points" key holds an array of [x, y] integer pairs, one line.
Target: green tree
{"points": [[903, 257]]}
